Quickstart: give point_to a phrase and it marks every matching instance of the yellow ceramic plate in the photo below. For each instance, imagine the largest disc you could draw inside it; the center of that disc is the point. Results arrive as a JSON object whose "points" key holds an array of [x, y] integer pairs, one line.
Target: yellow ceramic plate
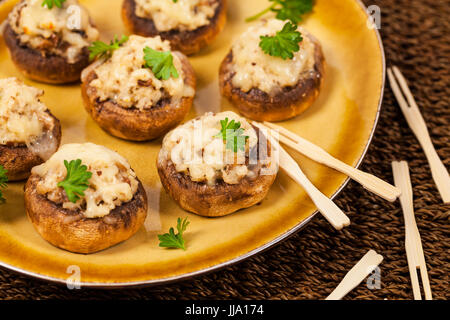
{"points": [[341, 121]]}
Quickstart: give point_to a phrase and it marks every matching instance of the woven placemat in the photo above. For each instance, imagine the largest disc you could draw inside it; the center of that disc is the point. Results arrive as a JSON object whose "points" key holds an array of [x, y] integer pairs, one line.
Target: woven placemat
{"points": [[311, 263]]}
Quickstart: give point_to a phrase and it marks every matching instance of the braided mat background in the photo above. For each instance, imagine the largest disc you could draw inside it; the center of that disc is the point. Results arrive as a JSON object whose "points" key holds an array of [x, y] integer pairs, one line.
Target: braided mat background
{"points": [[311, 263]]}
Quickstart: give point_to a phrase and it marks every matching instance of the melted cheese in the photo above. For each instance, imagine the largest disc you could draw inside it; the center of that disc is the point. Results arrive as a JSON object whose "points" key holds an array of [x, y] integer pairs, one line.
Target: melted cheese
{"points": [[23, 117], [113, 182], [57, 31], [123, 78], [181, 15], [255, 69], [195, 150]]}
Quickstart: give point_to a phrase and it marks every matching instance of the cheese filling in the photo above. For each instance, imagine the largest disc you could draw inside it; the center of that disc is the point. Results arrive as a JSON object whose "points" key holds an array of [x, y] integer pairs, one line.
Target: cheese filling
{"points": [[253, 68], [113, 182], [23, 118], [181, 15], [124, 79], [62, 31], [195, 150]]}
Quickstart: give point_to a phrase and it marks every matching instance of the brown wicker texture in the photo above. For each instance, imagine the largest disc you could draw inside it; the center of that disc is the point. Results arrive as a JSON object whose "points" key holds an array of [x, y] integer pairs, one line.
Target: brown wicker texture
{"points": [[311, 263]]}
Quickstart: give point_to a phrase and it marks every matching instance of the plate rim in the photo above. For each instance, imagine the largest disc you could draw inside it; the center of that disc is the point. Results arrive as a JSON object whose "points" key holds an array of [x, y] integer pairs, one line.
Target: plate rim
{"points": [[260, 249]]}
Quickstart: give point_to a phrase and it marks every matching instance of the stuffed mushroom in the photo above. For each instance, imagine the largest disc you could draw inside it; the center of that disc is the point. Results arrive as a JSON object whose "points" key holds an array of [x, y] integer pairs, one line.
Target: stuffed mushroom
{"points": [[141, 91], [189, 25], [85, 198], [269, 82], [216, 164], [49, 44], [29, 133]]}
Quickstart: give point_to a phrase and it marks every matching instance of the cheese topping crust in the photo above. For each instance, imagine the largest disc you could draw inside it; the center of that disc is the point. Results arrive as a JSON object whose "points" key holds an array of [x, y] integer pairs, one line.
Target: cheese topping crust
{"points": [[195, 150], [64, 32], [23, 117], [113, 182], [253, 68], [124, 79], [181, 15]]}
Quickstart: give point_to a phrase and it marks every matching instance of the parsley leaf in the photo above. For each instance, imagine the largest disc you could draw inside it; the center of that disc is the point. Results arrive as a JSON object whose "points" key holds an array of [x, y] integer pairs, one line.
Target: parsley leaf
{"points": [[287, 10], [293, 9], [284, 43], [172, 240], [51, 3], [233, 135], [99, 49], [76, 181], [161, 63], [3, 181]]}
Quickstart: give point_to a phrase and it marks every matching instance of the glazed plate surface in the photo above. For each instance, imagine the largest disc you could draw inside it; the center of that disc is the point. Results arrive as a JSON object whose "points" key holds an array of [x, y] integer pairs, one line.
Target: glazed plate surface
{"points": [[341, 121]]}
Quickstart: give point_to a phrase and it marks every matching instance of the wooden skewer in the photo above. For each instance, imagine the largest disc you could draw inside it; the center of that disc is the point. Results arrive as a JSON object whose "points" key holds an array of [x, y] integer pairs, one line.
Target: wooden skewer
{"points": [[356, 275], [370, 182], [413, 243], [418, 126], [326, 206]]}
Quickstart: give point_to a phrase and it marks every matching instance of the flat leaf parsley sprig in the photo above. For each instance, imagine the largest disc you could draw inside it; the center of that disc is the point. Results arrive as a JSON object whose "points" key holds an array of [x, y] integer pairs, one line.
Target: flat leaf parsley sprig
{"points": [[76, 181], [100, 49], [284, 43], [172, 240], [3, 181], [51, 3], [233, 135], [161, 63], [287, 10]]}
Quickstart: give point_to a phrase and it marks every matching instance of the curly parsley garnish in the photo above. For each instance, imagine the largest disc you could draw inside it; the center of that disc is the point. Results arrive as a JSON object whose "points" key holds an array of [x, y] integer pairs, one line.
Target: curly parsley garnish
{"points": [[287, 10], [233, 135], [172, 240], [51, 3], [161, 63], [76, 181], [100, 49], [3, 181], [284, 43]]}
